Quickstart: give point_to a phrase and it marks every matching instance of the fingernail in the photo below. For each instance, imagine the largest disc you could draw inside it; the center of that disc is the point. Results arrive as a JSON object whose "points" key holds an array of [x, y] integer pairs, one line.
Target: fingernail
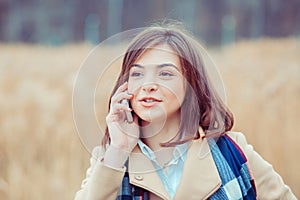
{"points": [[130, 94]]}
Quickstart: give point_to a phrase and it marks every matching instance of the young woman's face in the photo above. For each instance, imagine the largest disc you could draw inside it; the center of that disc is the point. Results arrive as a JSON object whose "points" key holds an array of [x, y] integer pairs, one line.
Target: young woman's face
{"points": [[157, 83]]}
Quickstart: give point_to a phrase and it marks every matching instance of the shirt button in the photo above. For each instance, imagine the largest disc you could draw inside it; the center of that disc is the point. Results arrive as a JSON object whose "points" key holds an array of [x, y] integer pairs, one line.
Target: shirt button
{"points": [[139, 178]]}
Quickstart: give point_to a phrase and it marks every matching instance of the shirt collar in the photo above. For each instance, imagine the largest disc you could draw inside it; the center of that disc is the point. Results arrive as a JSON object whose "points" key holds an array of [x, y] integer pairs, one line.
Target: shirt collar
{"points": [[178, 152], [146, 150]]}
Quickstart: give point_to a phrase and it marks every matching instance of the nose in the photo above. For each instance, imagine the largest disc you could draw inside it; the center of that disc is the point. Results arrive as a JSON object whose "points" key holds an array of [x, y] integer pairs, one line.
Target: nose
{"points": [[149, 87]]}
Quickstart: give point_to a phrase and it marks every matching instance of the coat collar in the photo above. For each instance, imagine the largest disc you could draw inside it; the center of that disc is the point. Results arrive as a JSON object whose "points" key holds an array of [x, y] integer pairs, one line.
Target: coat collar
{"points": [[200, 177]]}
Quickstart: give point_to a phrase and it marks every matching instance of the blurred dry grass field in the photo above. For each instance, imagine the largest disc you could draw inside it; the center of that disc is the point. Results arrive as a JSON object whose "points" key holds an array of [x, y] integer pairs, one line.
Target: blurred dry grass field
{"points": [[41, 156]]}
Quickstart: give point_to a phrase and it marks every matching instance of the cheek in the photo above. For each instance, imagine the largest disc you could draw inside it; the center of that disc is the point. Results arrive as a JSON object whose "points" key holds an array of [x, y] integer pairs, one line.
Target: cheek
{"points": [[179, 89], [132, 87], [176, 93], [179, 97]]}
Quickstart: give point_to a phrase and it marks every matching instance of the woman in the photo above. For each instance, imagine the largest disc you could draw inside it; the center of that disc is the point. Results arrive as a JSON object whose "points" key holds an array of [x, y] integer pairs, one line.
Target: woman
{"points": [[178, 144]]}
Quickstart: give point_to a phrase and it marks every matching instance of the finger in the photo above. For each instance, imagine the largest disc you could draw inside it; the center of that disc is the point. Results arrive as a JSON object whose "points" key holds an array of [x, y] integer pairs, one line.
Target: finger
{"points": [[135, 134], [115, 109], [119, 97], [122, 88], [130, 129]]}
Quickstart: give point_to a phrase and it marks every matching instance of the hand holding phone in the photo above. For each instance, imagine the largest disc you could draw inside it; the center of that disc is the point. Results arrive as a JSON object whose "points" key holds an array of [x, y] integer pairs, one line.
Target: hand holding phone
{"points": [[129, 117]]}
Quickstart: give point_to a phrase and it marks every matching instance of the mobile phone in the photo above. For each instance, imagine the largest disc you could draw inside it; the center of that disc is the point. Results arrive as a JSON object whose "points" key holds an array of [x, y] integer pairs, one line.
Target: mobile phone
{"points": [[129, 117]]}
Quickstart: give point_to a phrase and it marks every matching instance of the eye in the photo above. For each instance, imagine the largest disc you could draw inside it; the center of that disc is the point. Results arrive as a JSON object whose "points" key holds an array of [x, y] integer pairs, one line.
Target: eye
{"points": [[166, 74], [136, 74]]}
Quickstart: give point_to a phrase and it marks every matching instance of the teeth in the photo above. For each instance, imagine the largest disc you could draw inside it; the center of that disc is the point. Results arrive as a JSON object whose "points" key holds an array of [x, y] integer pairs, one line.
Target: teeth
{"points": [[149, 100]]}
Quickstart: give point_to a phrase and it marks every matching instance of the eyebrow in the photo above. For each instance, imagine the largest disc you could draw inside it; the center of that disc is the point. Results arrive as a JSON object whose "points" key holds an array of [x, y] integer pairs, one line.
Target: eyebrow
{"points": [[159, 66]]}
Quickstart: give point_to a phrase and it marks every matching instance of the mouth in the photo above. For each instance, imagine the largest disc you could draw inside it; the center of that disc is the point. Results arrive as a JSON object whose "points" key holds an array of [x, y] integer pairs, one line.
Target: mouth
{"points": [[149, 99]]}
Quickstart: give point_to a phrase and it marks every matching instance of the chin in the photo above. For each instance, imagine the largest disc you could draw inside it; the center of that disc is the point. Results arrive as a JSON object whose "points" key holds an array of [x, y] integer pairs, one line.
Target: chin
{"points": [[153, 117]]}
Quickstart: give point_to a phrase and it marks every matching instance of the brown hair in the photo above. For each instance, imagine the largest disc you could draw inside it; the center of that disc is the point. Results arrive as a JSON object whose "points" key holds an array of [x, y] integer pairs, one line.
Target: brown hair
{"points": [[202, 105]]}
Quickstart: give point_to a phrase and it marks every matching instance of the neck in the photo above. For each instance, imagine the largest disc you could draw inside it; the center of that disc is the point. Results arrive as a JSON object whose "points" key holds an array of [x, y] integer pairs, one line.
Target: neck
{"points": [[158, 132]]}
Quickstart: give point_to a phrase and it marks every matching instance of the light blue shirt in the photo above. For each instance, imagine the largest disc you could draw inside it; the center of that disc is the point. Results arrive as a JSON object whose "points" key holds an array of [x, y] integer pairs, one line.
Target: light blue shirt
{"points": [[175, 167]]}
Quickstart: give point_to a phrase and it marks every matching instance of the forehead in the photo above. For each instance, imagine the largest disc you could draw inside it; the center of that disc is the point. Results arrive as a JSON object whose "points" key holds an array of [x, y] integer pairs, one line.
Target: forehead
{"points": [[158, 55]]}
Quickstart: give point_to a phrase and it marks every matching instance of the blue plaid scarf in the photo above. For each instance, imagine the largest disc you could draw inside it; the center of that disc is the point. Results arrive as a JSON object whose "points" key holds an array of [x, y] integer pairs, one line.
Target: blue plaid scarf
{"points": [[233, 168]]}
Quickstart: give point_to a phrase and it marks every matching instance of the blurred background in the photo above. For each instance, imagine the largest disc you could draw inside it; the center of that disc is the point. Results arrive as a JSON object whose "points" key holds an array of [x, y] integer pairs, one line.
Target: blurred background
{"points": [[60, 22], [255, 44]]}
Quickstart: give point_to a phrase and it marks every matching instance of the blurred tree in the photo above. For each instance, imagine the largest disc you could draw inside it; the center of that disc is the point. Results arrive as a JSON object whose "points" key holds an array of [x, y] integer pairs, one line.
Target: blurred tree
{"points": [[4, 8], [92, 27], [228, 29], [115, 11], [215, 22]]}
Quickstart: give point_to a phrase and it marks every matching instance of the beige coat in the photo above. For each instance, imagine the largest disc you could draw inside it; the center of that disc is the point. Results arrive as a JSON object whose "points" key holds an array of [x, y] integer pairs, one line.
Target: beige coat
{"points": [[200, 178]]}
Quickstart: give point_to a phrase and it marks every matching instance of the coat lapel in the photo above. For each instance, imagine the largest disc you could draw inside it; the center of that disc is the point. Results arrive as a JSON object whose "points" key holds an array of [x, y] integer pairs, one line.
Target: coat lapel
{"points": [[142, 174], [200, 177]]}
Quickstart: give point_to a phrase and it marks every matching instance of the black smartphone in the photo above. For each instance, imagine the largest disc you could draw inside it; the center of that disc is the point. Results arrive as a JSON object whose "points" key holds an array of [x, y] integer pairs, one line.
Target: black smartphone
{"points": [[129, 117]]}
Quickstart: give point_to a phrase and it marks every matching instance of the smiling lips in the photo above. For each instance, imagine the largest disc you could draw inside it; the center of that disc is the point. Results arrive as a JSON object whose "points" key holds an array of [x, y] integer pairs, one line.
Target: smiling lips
{"points": [[149, 101]]}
